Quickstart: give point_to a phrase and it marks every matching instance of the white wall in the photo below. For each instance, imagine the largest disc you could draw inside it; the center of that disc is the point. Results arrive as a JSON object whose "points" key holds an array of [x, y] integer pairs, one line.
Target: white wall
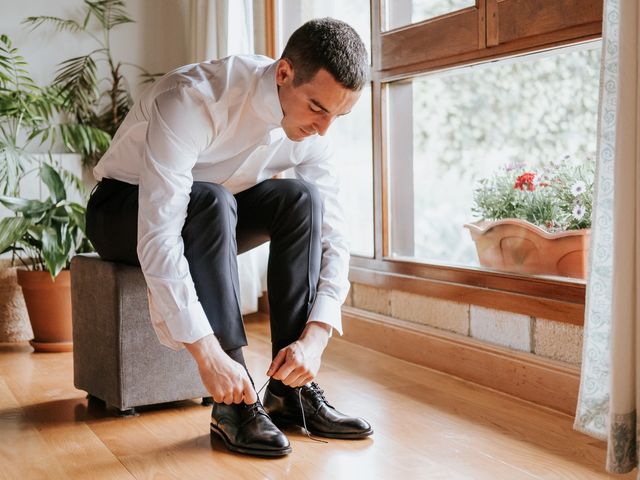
{"points": [[158, 41]]}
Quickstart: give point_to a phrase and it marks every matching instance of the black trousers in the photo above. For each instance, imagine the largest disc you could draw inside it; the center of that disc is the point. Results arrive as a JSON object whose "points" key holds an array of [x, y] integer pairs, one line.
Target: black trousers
{"points": [[218, 226]]}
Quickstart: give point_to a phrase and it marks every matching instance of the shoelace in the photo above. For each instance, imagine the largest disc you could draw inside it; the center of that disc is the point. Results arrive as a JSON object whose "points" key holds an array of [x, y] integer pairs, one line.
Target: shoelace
{"points": [[253, 408], [304, 421], [315, 388]]}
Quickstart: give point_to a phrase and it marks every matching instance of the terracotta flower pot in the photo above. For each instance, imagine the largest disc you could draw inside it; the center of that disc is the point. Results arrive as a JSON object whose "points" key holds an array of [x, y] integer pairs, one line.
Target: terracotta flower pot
{"points": [[519, 246], [49, 306]]}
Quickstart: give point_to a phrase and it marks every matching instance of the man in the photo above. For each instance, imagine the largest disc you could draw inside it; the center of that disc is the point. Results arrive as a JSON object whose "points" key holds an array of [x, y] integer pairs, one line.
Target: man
{"points": [[187, 184]]}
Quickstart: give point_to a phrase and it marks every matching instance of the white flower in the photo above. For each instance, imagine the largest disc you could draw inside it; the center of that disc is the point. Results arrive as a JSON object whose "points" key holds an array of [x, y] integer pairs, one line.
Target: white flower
{"points": [[578, 188], [578, 212], [542, 180], [514, 166]]}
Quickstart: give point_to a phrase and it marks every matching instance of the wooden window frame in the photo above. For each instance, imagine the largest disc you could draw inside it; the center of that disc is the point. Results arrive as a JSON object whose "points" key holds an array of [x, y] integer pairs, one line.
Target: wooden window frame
{"points": [[271, 28]]}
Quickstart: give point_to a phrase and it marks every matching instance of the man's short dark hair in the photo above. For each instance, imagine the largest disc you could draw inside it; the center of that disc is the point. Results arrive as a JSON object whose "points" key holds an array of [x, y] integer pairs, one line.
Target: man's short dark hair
{"points": [[330, 44]]}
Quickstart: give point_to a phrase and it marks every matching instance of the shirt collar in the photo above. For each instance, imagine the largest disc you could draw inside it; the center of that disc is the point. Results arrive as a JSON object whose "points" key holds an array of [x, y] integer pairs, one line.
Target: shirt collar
{"points": [[266, 102]]}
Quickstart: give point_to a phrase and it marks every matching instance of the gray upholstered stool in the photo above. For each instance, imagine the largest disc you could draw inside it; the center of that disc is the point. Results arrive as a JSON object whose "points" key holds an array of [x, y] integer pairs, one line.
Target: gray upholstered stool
{"points": [[117, 357]]}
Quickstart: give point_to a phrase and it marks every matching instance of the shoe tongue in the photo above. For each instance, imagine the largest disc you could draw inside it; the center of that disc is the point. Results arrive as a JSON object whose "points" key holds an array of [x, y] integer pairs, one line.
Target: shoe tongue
{"points": [[253, 408], [248, 412]]}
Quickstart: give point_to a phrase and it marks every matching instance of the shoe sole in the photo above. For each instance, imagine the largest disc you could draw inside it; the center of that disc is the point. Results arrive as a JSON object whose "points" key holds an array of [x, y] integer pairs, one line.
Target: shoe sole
{"points": [[281, 423], [248, 451]]}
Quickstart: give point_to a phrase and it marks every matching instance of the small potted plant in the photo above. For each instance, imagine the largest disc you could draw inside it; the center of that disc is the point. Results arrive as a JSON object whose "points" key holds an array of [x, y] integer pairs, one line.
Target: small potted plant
{"points": [[45, 235], [535, 221]]}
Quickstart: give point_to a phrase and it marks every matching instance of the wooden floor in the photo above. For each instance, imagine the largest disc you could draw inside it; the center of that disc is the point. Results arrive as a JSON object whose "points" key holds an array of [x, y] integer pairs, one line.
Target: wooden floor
{"points": [[427, 426]]}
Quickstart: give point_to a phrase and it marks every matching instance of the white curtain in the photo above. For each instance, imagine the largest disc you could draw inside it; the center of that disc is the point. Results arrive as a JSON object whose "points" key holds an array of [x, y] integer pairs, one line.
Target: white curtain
{"points": [[610, 382], [220, 28]]}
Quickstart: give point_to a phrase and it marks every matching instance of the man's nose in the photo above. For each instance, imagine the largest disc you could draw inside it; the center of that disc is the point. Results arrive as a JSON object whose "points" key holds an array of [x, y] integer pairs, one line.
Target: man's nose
{"points": [[323, 124]]}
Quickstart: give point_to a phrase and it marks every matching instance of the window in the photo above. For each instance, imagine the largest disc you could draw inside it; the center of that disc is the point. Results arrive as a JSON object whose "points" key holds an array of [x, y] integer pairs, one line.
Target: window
{"points": [[448, 52], [400, 13], [450, 129], [350, 135]]}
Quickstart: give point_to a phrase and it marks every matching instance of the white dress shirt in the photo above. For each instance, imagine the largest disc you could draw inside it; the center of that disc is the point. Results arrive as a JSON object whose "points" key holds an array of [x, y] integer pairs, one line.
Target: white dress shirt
{"points": [[216, 121]]}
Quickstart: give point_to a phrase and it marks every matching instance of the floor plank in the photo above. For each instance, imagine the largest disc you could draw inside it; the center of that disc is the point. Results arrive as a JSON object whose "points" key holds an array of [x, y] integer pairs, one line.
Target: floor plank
{"points": [[427, 425]]}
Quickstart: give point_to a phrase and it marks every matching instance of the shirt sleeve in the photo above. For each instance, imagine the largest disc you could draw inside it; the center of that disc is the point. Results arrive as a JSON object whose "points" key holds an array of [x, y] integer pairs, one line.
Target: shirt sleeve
{"points": [[318, 168], [178, 129]]}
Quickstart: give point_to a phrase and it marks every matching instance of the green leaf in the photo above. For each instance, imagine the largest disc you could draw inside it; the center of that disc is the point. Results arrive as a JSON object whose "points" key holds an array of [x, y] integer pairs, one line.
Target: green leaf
{"points": [[60, 24], [77, 216], [53, 182], [109, 12], [13, 77], [55, 251], [35, 231], [60, 216], [77, 83], [87, 140], [12, 229], [73, 181], [149, 77], [12, 166], [24, 206]]}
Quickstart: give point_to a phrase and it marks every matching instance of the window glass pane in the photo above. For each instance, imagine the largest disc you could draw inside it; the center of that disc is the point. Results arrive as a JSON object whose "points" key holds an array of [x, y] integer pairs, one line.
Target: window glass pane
{"points": [[405, 12], [450, 130], [351, 134]]}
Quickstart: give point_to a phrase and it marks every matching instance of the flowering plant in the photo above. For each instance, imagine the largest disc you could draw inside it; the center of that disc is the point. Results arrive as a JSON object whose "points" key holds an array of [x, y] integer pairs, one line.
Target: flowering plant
{"points": [[556, 197]]}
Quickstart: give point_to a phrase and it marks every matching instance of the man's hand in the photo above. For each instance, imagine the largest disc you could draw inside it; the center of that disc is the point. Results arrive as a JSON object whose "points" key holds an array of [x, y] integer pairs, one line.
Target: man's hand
{"points": [[226, 380], [298, 363]]}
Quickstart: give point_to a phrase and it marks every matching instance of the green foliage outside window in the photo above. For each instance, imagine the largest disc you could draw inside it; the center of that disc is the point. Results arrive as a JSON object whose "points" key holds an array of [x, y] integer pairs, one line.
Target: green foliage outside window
{"points": [[468, 122]]}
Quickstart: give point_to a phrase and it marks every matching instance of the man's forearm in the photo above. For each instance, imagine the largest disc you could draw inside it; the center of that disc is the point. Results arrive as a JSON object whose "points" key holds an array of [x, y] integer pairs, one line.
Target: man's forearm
{"points": [[206, 350], [316, 335]]}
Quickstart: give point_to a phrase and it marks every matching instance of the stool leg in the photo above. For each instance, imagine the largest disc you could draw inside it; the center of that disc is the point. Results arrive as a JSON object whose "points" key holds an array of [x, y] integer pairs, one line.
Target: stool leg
{"points": [[93, 398], [207, 401], [127, 412]]}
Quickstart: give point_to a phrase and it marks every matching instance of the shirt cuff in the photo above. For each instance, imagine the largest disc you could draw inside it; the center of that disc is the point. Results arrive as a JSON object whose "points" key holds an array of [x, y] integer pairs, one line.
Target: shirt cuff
{"points": [[327, 310], [189, 324]]}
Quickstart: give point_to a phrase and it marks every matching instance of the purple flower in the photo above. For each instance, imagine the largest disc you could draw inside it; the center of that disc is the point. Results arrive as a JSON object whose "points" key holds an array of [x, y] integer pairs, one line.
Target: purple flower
{"points": [[578, 212], [578, 188]]}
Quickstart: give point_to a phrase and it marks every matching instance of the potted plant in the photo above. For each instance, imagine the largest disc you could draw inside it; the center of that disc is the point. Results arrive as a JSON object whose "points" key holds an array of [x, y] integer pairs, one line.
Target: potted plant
{"points": [[42, 234], [25, 120], [45, 235], [535, 221]]}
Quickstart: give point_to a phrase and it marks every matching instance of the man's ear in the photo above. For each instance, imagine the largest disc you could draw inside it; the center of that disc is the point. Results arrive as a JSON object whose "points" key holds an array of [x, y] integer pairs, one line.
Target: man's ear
{"points": [[284, 72]]}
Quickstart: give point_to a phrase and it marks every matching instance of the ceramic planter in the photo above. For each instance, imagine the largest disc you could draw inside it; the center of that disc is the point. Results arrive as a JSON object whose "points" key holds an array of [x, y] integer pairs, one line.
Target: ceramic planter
{"points": [[518, 246], [49, 306]]}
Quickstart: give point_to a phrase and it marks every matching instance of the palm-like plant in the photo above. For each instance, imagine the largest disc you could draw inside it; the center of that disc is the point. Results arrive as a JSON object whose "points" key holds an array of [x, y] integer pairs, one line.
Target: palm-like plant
{"points": [[25, 116], [97, 112]]}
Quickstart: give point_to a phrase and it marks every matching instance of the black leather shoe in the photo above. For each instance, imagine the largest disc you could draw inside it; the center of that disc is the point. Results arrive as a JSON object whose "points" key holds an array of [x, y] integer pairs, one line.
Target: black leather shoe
{"points": [[322, 418], [248, 429]]}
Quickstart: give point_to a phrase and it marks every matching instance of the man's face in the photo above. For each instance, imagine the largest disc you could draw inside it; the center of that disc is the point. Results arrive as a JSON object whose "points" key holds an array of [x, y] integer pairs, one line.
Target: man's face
{"points": [[311, 107]]}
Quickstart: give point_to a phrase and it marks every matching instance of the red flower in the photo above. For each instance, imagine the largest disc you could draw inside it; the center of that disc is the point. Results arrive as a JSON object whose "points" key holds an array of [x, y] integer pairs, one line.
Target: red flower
{"points": [[525, 181]]}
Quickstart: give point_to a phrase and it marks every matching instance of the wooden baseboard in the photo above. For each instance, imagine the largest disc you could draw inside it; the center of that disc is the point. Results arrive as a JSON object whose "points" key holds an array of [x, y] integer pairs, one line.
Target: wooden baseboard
{"points": [[523, 375]]}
